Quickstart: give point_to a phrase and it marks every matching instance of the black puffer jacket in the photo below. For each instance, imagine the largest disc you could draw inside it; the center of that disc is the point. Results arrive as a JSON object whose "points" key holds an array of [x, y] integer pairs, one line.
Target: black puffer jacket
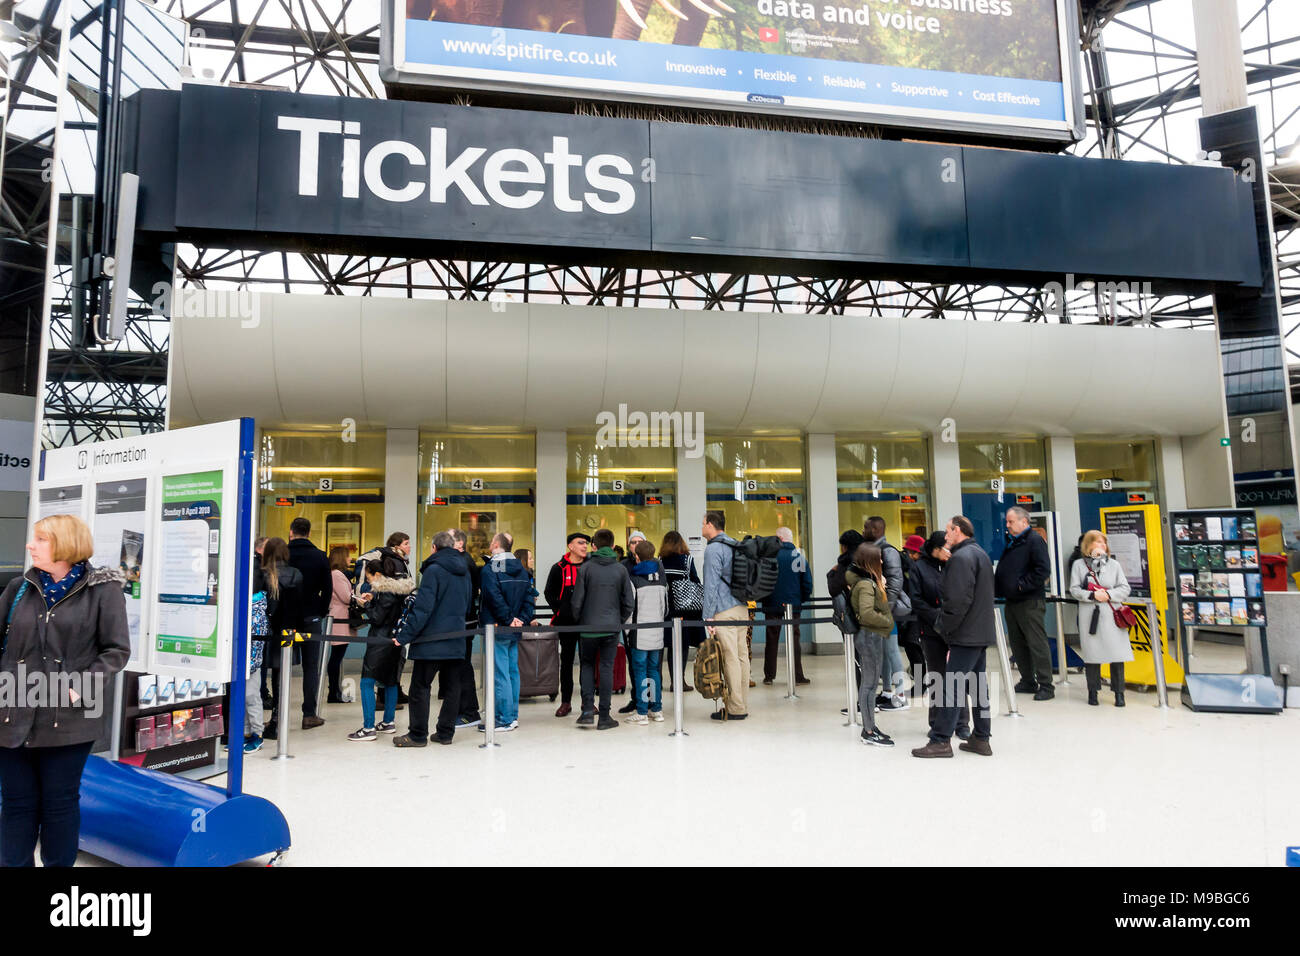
{"points": [[389, 587], [78, 645], [926, 582]]}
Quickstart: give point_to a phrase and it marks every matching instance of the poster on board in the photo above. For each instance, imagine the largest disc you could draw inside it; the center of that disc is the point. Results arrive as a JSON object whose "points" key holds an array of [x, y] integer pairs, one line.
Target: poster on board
{"points": [[120, 529], [60, 500], [189, 570]]}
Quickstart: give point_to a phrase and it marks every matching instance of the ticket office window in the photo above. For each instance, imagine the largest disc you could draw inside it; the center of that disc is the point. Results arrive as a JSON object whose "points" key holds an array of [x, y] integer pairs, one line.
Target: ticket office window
{"points": [[332, 478], [1019, 465], [624, 489], [1118, 472], [886, 476], [757, 482], [480, 483]]}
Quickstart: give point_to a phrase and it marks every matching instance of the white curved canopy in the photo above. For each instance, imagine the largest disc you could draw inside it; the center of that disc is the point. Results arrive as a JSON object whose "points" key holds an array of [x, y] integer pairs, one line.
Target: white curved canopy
{"points": [[389, 362]]}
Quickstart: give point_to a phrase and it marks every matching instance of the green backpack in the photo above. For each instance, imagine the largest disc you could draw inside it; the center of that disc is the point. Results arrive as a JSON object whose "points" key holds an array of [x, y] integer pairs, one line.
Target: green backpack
{"points": [[709, 679]]}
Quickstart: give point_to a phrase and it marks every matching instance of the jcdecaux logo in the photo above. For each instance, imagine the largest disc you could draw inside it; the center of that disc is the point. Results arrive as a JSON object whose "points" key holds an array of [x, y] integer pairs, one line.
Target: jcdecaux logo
{"points": [[513, 178]]}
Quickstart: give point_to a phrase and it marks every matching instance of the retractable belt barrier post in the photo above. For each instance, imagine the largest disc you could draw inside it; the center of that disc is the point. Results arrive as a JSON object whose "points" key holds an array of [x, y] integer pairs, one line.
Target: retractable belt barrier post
{"points": [[1004, 663], [1058, 607], [678, 680], [490, 687], [326, 625], [850, 684], [788, 627], [282, 712], [1157, 655]]}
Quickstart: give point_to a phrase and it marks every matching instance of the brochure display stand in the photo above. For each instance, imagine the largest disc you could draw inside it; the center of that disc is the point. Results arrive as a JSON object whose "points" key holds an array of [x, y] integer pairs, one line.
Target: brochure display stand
{"points": [[174, 510], [1220, 584]]}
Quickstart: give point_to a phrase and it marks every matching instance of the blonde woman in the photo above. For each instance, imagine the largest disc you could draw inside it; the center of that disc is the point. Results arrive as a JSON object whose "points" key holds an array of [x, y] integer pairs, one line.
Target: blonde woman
{"points": [[1097, 582], [64, 619]]}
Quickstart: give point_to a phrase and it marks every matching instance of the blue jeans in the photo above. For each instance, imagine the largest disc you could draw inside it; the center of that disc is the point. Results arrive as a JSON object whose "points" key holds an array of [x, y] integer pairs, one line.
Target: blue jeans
{"points": [[891, 664], [645, 667], [506, 684], [368, 703]]}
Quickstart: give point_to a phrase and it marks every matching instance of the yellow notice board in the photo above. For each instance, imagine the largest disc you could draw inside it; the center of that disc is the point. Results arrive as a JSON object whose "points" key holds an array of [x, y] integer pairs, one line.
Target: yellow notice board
{"points": [[1137, 543]]}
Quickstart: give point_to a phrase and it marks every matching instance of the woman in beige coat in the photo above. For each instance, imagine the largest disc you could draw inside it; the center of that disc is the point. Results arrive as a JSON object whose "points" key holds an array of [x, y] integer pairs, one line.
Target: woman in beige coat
{"points": [[1097, 582]]}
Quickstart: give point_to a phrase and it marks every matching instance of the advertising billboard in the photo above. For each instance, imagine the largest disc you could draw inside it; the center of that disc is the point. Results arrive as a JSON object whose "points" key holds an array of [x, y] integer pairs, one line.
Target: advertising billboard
{"points": [[989, 66]]}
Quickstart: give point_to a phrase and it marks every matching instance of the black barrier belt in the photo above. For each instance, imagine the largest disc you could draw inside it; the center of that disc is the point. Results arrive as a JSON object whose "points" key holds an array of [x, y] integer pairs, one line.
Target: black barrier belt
{"points": [[303, 638]]}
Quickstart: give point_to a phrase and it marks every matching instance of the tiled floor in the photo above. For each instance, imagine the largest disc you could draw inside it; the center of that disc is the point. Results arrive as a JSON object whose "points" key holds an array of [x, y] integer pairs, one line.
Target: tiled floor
{"points": [[1067, 784]]}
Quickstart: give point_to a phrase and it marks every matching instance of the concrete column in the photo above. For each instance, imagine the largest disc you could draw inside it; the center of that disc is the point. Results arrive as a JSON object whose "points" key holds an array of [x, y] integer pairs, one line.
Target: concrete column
{"points": [[945, 479], [692, 502], [1219, 56], [822, 545], [551, 520], [1063, 488], [1169, 472], [402, 484], [1207, 471]]}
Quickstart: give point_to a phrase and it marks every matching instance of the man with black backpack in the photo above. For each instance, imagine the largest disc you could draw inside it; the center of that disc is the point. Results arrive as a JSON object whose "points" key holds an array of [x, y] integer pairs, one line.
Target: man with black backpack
{"points": [[720, 604], [900, 605]]}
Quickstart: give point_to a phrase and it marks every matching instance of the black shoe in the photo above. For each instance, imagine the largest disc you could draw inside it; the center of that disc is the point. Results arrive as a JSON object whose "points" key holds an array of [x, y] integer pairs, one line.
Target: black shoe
{"points": [[270, 732], [1026, 687], [963, 733], [335, 699], [1045, 692], [717, 715], [1092, 698], [607, 722], [406, 741], [588, 719], [628, 707], [1119, 699], [445, 741], [876, 739]]}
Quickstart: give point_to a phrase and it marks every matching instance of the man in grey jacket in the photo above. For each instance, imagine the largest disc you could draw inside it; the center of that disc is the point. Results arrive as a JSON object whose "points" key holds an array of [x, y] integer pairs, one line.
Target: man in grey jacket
{"points": [[721, 604], [900, 606], [603, 600], [967, 626]]}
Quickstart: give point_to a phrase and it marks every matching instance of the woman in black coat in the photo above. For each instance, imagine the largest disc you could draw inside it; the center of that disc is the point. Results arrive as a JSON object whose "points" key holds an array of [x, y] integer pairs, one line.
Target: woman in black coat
{"points": [[390, 583], [65, 620], [285, 614], [926, 581]]}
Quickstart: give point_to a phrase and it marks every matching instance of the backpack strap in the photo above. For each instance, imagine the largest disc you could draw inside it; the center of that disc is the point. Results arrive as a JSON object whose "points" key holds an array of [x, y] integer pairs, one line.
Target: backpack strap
{"points": [[9, 618]]}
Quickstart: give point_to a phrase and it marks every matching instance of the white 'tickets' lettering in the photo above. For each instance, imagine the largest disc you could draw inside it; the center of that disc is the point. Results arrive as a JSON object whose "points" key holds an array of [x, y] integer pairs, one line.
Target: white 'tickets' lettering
{"points": [[504, 171], [441, 175], [309, 131]]}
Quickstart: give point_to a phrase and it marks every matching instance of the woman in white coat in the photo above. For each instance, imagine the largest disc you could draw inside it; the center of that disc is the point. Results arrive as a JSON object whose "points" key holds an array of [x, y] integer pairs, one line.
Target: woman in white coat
{"points": [[1097, 582]]}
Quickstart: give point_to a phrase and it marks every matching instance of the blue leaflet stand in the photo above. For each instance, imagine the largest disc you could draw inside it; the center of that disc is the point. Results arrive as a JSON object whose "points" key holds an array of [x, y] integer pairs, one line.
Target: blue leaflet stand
{"points": [[138, 817]]}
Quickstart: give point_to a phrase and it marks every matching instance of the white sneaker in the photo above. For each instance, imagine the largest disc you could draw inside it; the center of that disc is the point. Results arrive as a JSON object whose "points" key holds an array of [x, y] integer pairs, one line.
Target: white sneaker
{"points": [[636, 719], [657, 716]]}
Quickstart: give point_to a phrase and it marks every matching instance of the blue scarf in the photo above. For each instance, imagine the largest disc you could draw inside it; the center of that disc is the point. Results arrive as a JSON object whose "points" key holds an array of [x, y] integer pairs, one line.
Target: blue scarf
{"points": [[55, 591]]}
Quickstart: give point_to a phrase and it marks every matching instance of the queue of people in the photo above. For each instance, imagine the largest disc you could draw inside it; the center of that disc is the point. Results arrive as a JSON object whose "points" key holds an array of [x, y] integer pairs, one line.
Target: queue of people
{"points": [[933, 599]]}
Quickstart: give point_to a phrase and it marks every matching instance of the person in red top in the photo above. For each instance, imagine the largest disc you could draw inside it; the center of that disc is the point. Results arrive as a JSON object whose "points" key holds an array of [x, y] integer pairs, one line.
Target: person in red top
{"points": [[559, 597]]}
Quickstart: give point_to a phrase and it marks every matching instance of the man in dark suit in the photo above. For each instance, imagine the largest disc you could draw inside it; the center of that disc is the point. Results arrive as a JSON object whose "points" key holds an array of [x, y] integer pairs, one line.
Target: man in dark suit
{"points": [[317, 586]]}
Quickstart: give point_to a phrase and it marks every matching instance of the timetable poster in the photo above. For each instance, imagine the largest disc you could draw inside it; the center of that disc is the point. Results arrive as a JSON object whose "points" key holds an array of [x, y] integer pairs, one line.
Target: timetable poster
{"points": [[64, 500], [120, 519], [189, 566]]}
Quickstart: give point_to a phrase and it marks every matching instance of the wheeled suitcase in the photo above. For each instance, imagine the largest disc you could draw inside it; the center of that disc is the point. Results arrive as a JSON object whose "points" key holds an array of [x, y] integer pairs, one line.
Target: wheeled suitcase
{"points": [[620, 669], [539, 664]]}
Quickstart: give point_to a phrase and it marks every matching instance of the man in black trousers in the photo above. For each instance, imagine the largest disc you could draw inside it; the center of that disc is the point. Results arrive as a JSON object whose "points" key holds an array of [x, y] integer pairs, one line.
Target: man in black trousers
{"points": [[967, 626], [317, 586], [469, 712], [1022, 573]]}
